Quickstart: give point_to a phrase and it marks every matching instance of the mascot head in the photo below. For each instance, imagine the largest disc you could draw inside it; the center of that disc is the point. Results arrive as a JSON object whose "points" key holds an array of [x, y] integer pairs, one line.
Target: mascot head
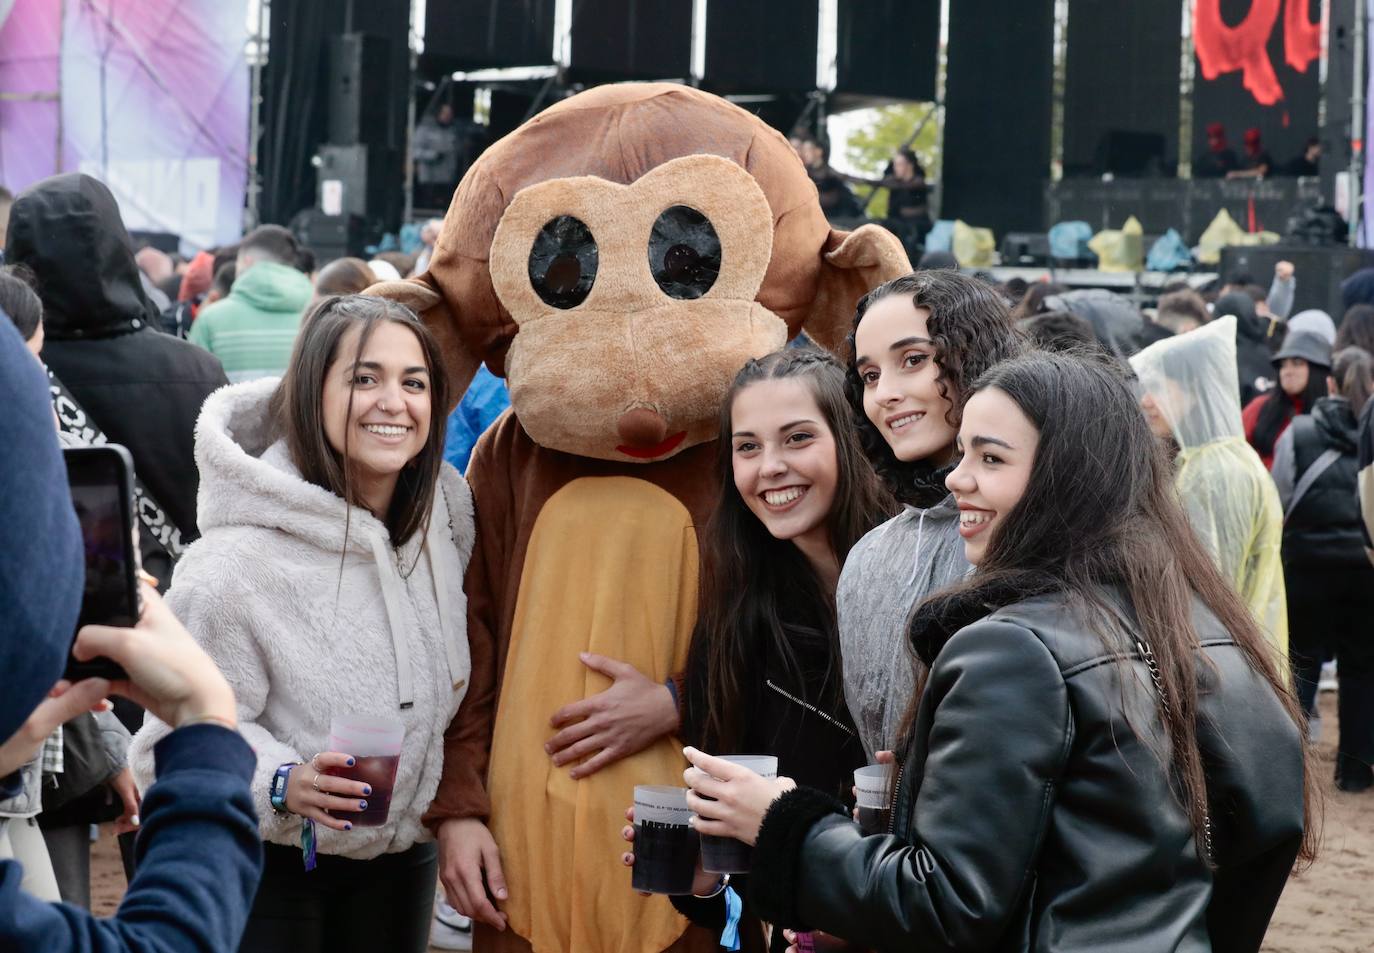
{"points": [[621, 255]]}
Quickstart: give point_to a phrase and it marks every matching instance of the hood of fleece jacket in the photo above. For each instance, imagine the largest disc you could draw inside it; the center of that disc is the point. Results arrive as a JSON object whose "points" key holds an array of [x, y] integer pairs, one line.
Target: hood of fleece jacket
{"points": [[268, 286], [247, 477], [247, 480]]}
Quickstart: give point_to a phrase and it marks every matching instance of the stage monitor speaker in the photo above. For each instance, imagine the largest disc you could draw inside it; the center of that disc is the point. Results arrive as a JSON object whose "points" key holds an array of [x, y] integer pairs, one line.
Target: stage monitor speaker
{"points": [[1319, 271], [359, 105], [1126, 152], [1029, 249], [330, 236], [632, 39], [888, 48], [359, 180], [472, 34], [762, 45]]}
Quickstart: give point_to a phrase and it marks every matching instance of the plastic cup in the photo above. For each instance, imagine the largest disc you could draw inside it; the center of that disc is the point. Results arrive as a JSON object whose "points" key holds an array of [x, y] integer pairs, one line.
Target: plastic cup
{"points": [[665, 847], [375, 744], [872, 796], [725, 855]]}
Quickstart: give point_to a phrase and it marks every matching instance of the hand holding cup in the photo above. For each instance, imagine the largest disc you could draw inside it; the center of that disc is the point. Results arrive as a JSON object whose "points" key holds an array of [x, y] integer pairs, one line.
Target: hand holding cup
{"points": [[312, 793]]}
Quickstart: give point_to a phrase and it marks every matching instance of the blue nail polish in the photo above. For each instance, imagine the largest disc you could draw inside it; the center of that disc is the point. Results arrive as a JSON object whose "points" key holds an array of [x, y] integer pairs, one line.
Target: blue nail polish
{"points": [[367, 789], [349, 762], [348, 827], [362, 805]]}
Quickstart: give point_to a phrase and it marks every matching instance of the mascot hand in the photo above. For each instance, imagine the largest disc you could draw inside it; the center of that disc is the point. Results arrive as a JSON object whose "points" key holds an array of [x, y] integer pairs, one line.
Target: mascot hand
{"points": [[623, 720], [467, 857]]}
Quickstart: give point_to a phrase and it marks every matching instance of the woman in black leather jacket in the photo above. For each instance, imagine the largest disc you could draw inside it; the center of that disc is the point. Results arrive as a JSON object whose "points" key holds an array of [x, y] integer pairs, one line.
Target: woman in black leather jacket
{"points": [[1104, 755]]}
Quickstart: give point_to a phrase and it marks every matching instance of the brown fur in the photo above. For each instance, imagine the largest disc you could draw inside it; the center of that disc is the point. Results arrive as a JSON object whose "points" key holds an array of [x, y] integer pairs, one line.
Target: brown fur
{"points": [[582, 378]]}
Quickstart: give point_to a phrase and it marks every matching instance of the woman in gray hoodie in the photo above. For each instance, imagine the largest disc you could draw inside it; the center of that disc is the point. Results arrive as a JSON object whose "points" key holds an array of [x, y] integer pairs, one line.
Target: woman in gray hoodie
{"points": [[918, 344]]}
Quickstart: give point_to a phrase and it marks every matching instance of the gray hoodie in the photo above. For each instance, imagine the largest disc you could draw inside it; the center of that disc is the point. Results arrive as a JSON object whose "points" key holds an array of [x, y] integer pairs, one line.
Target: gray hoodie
{"points": [[890, 570]]}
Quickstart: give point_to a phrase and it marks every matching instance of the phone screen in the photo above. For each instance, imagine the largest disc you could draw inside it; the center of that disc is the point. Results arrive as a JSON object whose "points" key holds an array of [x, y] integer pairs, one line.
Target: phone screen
{"points": [[101, 488]]}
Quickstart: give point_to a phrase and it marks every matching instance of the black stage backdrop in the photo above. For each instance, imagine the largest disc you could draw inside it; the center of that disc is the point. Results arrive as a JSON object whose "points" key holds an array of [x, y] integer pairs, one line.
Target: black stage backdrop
{"points": [[631, 39], [997, 115], [761, 45], [1280, 101], [473, 34], [1121, 87], [888, 48]]}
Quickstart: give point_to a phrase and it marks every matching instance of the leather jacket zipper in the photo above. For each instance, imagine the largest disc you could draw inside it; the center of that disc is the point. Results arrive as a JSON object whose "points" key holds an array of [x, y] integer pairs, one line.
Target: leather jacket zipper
{"points": [[896, 786]]}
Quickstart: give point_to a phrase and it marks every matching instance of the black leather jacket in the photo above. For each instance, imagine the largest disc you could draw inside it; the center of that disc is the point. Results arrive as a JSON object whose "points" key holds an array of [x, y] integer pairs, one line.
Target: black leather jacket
{"points": [[1033, 813]]}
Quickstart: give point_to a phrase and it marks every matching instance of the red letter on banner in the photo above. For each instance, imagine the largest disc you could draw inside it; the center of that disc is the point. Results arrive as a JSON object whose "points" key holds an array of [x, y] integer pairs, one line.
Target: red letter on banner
{"points": [[1224, 49], [1302, 39]]}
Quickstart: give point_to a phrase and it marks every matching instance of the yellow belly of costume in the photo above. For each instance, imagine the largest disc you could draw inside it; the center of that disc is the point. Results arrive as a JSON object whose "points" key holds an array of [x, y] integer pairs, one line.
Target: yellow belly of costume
{"points": [[611, 569]]}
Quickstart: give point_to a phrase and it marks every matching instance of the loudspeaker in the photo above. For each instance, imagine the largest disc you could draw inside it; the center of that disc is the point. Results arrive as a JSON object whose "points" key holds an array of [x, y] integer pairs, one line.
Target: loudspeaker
{"points": [[632, 39], [1319, 271], [762, 45], [359, 103], [330, 236], [887, 48], [1025, 248], [1129, 153]]}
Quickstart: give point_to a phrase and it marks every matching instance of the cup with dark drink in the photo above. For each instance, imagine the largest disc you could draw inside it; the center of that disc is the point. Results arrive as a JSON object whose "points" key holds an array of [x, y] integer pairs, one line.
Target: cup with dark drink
{"points": [[665, 847], [873, 798], [725, 855], [375, 744]]}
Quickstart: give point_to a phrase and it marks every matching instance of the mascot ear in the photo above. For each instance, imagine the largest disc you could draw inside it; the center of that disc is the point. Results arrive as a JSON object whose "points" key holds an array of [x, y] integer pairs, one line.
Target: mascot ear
{"points": [[852, 265], [420, 296]]}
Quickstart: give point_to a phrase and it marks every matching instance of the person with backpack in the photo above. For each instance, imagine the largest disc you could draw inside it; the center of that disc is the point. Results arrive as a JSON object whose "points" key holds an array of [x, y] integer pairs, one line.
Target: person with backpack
{"points": [[1330, 581]]}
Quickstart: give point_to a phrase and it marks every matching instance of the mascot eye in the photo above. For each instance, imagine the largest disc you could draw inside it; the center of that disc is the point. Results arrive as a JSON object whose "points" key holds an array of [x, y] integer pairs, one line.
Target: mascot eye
{"points": [[563, 262], [684, 253]]}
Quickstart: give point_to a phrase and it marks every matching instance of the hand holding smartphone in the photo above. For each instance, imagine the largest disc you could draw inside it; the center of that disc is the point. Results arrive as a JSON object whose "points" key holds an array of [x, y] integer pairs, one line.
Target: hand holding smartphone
{"points": [[102, 487]]}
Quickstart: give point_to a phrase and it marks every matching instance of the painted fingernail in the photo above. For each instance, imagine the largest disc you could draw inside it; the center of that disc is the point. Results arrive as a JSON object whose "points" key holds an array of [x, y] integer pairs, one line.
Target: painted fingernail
{"points": [[627, 859], [348, 827], [362, 805], [367, 789], [349, 762]]}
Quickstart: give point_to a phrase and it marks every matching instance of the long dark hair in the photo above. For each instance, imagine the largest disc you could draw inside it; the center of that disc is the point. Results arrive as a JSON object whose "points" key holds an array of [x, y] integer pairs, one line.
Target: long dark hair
{"points": [[1278, 409], [1353, 369], [972, 330], [1100, 510], [755, 588], [1357, 329], [298, 408]]}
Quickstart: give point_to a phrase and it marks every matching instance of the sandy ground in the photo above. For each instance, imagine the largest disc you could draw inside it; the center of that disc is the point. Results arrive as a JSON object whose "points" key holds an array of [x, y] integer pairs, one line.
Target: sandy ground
{"points": [[1327, 909]]}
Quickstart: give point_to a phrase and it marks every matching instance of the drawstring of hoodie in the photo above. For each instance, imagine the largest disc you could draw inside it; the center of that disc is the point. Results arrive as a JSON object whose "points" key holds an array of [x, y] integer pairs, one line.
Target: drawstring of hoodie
{"points": [[439, 551]]}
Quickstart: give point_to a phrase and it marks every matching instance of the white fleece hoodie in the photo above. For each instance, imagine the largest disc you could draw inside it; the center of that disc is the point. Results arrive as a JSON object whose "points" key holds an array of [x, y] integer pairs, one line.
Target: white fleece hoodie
{"points": [[305, 627]]}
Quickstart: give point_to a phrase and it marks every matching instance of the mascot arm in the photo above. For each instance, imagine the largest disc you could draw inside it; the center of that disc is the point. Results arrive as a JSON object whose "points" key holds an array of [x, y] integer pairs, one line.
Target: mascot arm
{"points": [[467, 741]]}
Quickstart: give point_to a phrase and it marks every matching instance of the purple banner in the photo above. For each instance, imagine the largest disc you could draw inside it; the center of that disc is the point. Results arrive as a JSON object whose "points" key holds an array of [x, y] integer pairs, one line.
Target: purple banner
{"points": [[154, 100]]}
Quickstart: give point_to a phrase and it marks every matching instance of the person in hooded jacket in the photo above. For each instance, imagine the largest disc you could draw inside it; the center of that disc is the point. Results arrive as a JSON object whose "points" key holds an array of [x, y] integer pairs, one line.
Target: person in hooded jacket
{"points": [[143, 389], [918, 343], [1118, 325], [1330, 581], [1254, 357], [329, 581], [199, 856], [1188, 393], [253, 329], [1105, 755], [1302, 364]]}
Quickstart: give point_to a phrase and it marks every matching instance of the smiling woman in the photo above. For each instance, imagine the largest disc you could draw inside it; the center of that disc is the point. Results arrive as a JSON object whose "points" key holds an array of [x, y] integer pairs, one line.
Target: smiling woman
{"points": [[328, 587]]}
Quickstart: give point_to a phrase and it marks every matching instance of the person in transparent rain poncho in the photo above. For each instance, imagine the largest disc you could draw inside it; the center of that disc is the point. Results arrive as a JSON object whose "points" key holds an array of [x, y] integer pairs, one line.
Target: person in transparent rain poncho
{"points": [[1188, 392]]}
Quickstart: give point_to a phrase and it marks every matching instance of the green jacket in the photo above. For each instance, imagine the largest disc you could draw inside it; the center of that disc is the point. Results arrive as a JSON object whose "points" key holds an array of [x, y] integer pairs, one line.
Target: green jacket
{"points": [[253, 329]]}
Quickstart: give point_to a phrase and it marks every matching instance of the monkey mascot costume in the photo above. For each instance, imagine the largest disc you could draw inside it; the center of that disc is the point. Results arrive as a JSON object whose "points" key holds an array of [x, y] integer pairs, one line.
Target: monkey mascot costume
{"points": [[617, 259]]}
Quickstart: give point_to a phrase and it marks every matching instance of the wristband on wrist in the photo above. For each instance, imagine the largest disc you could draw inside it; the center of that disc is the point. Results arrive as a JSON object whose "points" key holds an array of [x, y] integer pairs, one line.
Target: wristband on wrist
{"points": [[276, 792]]}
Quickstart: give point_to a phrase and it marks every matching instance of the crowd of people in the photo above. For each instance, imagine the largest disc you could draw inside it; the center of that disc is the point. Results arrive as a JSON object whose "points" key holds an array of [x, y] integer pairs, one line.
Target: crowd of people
{"points": [[1074, 567]]}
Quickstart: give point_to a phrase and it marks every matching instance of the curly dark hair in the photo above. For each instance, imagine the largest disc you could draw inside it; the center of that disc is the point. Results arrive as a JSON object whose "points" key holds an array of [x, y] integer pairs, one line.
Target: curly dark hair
{"points": [[972, 330]]}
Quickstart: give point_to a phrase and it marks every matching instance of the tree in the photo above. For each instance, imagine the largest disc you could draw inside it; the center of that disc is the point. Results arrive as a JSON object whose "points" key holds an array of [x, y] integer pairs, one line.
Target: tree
{"points": [[870, 148]]}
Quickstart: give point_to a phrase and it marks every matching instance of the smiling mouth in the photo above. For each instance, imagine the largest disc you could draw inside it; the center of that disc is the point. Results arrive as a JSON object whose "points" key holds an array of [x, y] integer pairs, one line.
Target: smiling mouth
{"points": [[387, 430], [906, 420], [657, 450], [974, 521], [784, 498]]}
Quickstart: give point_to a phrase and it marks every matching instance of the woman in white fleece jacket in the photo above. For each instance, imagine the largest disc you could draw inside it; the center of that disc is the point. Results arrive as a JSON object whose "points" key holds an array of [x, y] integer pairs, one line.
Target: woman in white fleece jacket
{"points": [[314, 608]]}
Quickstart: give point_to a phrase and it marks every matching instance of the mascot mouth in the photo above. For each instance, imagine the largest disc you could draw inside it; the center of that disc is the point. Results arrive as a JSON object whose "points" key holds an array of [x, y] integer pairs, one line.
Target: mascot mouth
{"points": [[657, 450]]}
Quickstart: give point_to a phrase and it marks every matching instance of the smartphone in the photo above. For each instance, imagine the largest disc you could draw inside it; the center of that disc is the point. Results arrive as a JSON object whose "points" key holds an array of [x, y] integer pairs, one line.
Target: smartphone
{"points": [[102, 487]]}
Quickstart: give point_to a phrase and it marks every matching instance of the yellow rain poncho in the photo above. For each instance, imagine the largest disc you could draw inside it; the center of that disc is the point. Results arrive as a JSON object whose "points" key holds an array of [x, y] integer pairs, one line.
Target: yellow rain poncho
{"points": [[1225, 489]]}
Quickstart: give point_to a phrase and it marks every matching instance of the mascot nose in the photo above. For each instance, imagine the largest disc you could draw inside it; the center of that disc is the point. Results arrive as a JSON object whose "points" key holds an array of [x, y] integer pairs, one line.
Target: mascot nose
{"points": [[642, 427]]}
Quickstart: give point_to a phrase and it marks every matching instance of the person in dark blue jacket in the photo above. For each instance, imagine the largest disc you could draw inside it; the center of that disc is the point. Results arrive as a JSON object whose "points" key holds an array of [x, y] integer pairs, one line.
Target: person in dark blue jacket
{"points": [[199, 855]]}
